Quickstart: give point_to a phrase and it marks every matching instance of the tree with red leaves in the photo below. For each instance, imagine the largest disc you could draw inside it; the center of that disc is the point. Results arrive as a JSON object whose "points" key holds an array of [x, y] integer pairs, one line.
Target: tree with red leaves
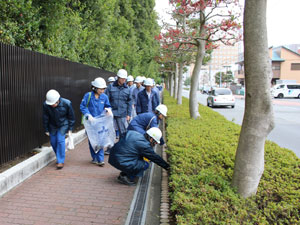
{"points": [[205, 23]]}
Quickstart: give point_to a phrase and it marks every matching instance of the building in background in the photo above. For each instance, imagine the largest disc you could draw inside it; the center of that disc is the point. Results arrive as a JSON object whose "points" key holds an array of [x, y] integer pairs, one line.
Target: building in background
{"points": [[285, 64], [223, 59]]}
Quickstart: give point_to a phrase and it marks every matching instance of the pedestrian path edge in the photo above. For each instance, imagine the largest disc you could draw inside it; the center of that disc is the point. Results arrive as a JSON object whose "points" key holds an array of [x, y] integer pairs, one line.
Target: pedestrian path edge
{"points": [[20, 172]]}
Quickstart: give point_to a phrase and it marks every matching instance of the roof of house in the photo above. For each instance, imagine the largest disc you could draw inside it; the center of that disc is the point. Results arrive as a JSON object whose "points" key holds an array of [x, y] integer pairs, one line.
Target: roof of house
{"points": [[275, 55]]}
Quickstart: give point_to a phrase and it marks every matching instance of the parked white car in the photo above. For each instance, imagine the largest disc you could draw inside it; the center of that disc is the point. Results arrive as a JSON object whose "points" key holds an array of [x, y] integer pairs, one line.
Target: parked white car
{"points": [[286, 91], [221, 97]]}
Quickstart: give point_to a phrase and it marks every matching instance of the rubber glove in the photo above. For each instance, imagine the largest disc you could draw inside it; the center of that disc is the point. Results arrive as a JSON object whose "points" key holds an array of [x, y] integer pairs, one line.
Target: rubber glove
{"points": [[108, 111], [91, 118]]}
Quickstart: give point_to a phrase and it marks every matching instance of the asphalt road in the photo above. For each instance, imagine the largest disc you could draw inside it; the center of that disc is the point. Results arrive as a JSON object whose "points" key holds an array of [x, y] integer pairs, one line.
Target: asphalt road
{"points": [[286, 114]]}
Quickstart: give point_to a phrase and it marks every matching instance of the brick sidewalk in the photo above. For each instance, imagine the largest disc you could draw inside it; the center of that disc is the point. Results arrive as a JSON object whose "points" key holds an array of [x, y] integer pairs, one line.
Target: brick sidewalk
{"points": [[79, 194]]}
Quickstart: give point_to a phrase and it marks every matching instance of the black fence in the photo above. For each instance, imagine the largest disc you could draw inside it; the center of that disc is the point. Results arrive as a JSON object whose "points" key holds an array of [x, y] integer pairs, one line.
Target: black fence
{"points": [[25, 78]]}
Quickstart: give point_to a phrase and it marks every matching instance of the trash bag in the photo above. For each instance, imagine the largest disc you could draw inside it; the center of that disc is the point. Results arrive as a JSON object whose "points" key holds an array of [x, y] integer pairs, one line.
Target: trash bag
{"points": [[101, 132], [70, 141]]}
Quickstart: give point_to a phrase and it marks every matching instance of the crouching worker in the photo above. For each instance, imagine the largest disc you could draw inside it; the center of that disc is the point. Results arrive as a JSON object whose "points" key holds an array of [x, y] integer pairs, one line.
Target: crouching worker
{"points": [[58, 119], [128, 154], [144, 121]]}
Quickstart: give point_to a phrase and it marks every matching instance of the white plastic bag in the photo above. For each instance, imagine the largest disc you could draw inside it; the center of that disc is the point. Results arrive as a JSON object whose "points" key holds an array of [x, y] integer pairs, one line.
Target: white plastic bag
{"points": [[71, 141], [100, 131]]}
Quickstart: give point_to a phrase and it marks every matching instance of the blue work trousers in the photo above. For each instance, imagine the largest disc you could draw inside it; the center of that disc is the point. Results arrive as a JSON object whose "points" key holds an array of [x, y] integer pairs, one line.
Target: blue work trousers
{"points": [[58, 144], [140, 174], [122, 124], [99, 156]]}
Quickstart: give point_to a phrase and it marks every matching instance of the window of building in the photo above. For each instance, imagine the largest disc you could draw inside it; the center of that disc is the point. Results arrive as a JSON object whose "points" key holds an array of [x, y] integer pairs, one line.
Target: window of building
{"points": [[276, 67], [295, 66]]}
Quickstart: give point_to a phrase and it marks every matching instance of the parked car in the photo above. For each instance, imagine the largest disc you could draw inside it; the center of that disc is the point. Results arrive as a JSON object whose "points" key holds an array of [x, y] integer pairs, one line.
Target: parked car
{"points": [[221, 97], [286, 90]]}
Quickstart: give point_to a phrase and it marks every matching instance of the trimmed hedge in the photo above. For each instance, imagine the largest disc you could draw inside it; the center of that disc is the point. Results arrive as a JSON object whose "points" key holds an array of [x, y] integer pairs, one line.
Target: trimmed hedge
{"points": [[202, 152]]}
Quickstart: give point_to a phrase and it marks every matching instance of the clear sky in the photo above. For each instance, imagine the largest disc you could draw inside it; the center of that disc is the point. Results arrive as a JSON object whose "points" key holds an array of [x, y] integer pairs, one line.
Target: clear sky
{"points": [[283, 20]]}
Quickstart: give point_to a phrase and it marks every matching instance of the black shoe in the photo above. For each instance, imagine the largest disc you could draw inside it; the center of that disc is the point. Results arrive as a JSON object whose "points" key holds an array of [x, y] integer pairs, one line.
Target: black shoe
{"points": [[107, 152], [100, 163], [122, 173], [125, 180]]}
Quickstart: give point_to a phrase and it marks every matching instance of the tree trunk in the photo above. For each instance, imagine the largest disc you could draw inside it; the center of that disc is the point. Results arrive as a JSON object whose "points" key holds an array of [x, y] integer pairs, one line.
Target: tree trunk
{"points": [[171, 84], [179, 94], [193, 100], [176, 80], [258, 117], [167, 82]]}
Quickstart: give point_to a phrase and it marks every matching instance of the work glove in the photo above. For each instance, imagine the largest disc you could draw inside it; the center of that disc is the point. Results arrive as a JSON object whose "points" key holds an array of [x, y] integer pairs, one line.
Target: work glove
{"points": [[108, 111], [90, 118], [71, 140], [47, 133]]}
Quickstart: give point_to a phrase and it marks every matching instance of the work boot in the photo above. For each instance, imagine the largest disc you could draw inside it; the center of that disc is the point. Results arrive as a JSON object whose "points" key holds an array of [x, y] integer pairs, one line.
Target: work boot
{"points": [[101, 163], [107, 152], [125, 180], [59, 166]]}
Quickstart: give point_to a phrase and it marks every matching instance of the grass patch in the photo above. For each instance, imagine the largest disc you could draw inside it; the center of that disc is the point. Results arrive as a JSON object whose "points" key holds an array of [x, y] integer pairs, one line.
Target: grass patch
{"points": [[201, 153]]}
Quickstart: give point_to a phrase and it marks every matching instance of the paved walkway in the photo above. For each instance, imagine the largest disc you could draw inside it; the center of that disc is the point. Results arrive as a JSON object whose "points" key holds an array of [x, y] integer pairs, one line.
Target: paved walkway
{"points": [[79, 194]]}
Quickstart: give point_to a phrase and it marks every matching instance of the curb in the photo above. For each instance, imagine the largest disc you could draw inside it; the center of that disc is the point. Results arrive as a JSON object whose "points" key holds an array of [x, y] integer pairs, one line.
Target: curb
{"points": [[165, 218], [20, 172], [164, 196], [239, 96]]}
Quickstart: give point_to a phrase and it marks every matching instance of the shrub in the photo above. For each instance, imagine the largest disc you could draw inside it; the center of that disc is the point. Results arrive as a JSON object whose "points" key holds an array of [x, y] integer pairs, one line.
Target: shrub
{"points": [[201, 153]]}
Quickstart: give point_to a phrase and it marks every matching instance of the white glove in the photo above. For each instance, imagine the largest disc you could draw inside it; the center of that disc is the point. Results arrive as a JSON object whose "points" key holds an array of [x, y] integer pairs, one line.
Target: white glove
{"points": [[70, 140], [47, 133], [108, 111], [91, 118]]}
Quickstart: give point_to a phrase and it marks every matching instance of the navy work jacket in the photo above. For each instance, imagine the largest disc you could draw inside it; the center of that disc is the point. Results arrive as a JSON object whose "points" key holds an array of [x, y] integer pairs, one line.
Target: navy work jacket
{"points": [[142, 101], [61, 118], [144, 121], [127, 155]]}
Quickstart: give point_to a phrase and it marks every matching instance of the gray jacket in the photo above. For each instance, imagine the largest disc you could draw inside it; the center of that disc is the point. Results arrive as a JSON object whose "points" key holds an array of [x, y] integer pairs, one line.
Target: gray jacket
{"points": [[120, 99]]}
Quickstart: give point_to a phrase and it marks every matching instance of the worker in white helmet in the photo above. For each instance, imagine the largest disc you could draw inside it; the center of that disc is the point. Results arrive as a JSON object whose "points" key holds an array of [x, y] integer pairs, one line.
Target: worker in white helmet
{"points": [[129, 154], [92, 105], [129, 81], [138, 87], [111, 80], [120, 99], [147, 100], [131, 86], [144, 121], [58, 119]]}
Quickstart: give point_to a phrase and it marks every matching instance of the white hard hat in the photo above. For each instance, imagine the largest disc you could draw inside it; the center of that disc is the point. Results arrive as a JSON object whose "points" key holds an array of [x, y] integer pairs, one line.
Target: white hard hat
{"points": [[111, 79], [99, 83], [148, 82], [52, 97], [122, 73], [155, 133], [138, 79], [162, 109], [130, 78]]}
